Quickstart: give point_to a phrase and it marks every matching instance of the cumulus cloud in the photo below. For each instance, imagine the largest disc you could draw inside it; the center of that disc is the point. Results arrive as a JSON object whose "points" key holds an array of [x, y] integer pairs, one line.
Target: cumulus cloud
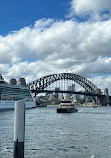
{"points": [[101, 66], [102, 82], [54, 46], [97, 71], [97, 9], [59, 41]]}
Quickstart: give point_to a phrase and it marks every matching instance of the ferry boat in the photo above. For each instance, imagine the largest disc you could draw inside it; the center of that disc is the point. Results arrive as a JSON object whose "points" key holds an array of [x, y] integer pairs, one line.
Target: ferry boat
{"points": [[66, 107], [11, 92]]}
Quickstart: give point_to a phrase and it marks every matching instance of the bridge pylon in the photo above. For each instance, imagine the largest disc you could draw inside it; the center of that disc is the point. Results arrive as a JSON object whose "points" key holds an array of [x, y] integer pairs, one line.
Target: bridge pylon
{"points": [[105, 98]]}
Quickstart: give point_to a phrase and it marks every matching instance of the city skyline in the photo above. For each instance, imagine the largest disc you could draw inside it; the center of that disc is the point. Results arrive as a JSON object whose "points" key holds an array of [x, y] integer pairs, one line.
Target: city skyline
{"points": [[40, 38]]}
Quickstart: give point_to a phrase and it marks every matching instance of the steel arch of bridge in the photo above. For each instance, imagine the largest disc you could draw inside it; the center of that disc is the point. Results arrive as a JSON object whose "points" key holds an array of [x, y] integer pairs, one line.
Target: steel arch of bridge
{"points": [[43, 82]]}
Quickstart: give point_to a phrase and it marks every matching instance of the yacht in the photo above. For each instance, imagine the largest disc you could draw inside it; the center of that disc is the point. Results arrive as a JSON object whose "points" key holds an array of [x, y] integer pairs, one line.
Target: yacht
{"points": [[13, 91], [66, 107]]}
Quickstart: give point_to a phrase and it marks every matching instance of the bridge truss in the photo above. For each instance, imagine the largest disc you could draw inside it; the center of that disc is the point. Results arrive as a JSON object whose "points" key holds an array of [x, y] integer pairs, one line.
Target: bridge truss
{"points": [[40, 84]]}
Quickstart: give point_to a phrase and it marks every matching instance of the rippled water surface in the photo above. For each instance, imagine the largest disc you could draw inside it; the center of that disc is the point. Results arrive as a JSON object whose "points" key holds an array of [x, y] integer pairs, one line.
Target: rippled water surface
{"points": [[52, 135]]}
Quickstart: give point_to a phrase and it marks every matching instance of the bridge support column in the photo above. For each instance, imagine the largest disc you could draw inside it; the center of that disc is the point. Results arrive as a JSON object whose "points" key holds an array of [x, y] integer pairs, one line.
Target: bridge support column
{"points": [[106, 93], [105, 99]]}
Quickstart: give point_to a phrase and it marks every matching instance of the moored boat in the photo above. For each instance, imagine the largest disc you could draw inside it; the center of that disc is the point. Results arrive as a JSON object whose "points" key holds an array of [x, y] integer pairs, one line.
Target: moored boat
{"points": [[11, 92], [66, 107]]}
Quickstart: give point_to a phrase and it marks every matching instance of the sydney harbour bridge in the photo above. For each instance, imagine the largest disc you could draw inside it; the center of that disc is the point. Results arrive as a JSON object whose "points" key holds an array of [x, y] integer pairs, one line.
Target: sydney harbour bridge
{"points": [[41, 86]]}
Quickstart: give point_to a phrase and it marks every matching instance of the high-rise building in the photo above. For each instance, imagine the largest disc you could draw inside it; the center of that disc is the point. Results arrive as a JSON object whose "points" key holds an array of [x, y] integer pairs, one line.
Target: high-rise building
{"points": [[56, 92], [73, 87], [69, 88]]}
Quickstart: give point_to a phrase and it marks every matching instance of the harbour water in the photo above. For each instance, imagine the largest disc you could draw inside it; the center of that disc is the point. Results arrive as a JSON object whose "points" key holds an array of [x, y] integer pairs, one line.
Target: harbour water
{"points": [[48, 134]]}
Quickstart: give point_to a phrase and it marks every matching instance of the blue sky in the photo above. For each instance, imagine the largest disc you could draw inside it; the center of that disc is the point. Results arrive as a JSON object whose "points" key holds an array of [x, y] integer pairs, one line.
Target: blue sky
{"points": [[21, 13], [41, 37]]}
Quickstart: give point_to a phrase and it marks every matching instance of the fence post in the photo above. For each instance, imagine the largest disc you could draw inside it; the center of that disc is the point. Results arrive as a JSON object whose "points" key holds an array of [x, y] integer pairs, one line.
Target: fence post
{"points": [[19, 129]]}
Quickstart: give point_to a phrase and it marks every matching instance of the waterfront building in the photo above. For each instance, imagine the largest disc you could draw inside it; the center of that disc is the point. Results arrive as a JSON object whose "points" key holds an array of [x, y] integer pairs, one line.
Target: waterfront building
{"points": [[74, 98], [66, 96], [60, 96]]}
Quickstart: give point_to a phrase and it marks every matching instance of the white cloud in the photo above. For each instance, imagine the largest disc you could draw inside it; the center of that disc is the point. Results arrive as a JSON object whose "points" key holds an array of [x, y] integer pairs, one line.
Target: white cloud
{"points": [[97, 71], [54, 46], [63, 39], [95, 8], [34, 70], [101, 66], [102, 82]]}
